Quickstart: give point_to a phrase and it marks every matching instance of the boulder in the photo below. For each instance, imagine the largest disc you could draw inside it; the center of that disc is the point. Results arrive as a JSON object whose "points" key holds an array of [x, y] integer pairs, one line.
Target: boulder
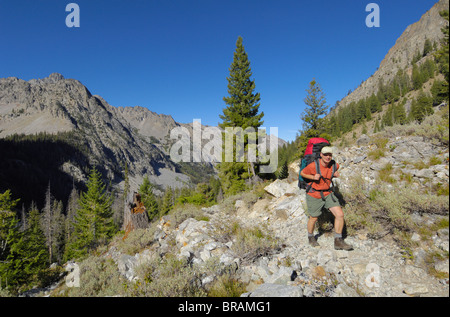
{"points": [[275, 290], [277, 188]]}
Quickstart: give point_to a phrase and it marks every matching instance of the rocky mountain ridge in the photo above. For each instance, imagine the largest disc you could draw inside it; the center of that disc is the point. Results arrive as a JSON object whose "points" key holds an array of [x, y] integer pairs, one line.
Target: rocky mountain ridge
{"points": [[406, 47], [57, 105]]}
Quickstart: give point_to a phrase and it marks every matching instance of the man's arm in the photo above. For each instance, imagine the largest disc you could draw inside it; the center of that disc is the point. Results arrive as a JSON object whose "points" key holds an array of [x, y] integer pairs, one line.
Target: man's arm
{"points": [[315, 177]]}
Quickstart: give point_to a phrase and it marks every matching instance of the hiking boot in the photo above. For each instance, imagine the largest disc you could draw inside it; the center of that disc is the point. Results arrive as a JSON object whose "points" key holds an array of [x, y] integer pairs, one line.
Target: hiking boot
{"points": [[340, 244], [313, 242]]}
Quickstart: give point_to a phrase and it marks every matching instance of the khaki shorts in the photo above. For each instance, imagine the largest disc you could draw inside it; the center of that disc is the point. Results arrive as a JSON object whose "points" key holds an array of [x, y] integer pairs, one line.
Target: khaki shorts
{"points": [[315, 205]]}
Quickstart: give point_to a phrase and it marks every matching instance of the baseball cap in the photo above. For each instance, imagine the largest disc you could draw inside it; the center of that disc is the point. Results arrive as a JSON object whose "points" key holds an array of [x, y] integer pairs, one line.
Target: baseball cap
{"points": [[327, 149]]}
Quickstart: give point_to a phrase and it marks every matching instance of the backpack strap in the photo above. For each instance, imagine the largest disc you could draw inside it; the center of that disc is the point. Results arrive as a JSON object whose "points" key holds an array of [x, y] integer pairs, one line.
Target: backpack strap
{"points": [[334, 165], [316, 161]]}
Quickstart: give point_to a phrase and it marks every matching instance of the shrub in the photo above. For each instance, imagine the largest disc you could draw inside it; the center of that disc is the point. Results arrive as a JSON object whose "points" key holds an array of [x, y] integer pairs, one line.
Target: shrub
{"points": [[381, 210], [99, 277], [168, 277], [434, 161], [227, 286], [182, 212], [385, 174], [136, 240], [252, 243]]}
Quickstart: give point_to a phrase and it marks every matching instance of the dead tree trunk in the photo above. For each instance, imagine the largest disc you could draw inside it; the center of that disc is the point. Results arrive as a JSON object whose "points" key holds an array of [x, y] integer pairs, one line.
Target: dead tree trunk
{"points": [[135, 215]]}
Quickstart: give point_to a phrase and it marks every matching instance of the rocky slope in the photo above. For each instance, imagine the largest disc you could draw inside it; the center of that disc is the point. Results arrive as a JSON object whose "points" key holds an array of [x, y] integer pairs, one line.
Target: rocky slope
{"points": [[402, 53], [288, 266]]}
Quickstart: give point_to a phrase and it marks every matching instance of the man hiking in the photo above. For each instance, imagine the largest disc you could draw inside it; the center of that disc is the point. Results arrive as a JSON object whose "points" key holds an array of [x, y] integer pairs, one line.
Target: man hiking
{"points": [[320, 195]]}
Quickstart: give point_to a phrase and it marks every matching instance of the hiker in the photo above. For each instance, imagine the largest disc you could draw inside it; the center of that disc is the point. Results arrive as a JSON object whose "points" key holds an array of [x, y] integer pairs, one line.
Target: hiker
{"points": [[320, 196]]}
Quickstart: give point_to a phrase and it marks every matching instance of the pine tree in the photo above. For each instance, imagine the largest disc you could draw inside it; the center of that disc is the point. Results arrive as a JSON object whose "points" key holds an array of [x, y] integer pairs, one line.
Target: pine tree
{"points": [[13, 250], [243, 103], [148, 198], [6, 201], [93, 223], [400, 112], [242, 111], [167, 201], [71, 210], [312, 116], [284, 171], [442, 55], [316, 108], [427, 47], [37, 256], [417, 77], [377, 126], [375, 104], [421, 107], [58, 231]]}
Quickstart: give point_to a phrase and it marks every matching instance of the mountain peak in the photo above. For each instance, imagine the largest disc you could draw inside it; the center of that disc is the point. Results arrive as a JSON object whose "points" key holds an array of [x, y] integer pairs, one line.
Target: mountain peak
{"points": [[52, 78], [55, 76]]}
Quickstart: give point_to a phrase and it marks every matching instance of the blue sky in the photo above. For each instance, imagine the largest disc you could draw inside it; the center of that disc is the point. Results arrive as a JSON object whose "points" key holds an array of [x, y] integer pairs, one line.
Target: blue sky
{"points": [[173, 56]]}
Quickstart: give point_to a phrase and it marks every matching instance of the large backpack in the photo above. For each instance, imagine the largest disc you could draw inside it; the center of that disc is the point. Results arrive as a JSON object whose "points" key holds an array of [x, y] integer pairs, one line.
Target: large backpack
{"points": [[312, 154]]}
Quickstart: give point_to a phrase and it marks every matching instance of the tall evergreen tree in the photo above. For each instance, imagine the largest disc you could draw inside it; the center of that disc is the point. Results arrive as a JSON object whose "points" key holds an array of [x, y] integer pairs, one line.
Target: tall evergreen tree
{"points": [[242, 111], [13, 250], [312, 116], [316, 108], [400, 112], [37, 256], [71, 210], [421, 107], [243, 103], [93, 223]]}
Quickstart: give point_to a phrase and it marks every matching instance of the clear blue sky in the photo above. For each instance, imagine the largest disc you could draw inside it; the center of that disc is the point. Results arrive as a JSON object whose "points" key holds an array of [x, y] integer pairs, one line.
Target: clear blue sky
{"points": [[173, 56]]}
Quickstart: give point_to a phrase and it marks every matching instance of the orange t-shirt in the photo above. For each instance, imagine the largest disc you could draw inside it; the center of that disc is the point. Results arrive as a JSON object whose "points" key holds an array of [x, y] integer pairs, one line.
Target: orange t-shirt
{"points": [[323, 183]]}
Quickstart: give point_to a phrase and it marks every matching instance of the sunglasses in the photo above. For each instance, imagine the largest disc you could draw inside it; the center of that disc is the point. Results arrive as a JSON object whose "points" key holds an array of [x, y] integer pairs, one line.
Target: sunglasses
{"points": [[327, 154]]}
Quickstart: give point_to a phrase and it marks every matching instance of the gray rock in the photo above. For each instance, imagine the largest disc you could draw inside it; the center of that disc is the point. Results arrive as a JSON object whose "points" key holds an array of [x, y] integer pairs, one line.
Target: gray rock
{"points": [[277, 188], [363, 140], [424, 173], [442, 266], [343, 290], [275, 290], [126, 264], [415, 289], [359, 159]]}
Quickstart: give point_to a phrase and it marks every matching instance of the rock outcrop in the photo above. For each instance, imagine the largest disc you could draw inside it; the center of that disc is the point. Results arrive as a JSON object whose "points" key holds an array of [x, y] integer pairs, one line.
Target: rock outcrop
{"points": [[402, 53]]}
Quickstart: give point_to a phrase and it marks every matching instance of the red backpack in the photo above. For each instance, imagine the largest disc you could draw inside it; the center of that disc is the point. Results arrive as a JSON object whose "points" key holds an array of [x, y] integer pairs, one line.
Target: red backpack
{"points": [[312, 154]]}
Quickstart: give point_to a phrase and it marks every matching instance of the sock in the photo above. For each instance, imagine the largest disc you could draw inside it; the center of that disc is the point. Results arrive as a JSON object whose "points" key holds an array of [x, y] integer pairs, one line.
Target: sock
{"points": [[338, 235], [310, 235]]}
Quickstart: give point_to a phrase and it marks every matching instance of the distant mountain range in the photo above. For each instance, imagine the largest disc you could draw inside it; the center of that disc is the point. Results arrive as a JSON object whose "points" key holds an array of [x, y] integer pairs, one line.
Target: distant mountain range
{"points": [[99, 134]]}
